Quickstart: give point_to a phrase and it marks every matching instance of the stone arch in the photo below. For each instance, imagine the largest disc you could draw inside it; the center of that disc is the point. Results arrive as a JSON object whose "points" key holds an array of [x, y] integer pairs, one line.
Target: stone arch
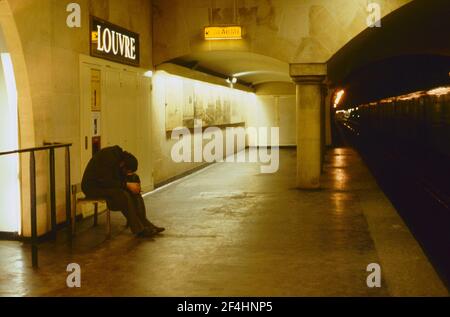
{"points": [[14, 44]]}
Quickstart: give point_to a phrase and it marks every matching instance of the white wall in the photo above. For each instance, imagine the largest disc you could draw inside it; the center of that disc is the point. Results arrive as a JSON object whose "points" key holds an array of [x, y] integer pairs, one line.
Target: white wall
{"points": [[166, 88], [9, 140], [276, 111]]}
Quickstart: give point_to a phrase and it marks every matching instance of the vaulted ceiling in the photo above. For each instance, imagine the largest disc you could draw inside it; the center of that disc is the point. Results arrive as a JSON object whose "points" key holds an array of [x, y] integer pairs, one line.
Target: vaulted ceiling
{"points": [[275, 33], [248, 68]]}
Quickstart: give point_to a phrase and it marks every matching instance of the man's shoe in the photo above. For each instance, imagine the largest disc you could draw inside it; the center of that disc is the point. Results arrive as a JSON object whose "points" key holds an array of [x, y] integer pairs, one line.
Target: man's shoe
{"points": [[147, 233], [157, 229]]}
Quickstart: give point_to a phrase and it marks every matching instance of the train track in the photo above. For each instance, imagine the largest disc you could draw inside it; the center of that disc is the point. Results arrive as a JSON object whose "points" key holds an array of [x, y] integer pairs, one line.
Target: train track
{"points": [[426, 179], [418, 186]]}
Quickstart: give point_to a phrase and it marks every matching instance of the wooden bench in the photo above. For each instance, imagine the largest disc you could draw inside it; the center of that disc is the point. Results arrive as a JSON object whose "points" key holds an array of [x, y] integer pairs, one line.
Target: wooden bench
{"points": [[76, 189]]}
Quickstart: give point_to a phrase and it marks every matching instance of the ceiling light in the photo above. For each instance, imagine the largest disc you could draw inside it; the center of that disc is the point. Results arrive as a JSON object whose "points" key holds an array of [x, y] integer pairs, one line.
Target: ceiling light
{"points": [[338, 97], [231, 81]]}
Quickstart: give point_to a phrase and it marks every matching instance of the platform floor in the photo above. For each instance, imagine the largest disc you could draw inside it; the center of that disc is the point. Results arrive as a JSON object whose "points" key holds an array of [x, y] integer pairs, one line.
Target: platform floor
{"points": [[235, 232]]}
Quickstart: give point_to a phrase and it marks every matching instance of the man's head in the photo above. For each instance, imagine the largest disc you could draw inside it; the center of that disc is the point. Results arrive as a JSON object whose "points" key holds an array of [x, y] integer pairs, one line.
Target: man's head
{"points": [[130, 163]]}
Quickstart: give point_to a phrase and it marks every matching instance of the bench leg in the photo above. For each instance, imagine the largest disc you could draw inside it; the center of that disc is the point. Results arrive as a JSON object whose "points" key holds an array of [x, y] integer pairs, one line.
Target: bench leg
{"points": [[95, 214], [108, 224], [74, 213]]}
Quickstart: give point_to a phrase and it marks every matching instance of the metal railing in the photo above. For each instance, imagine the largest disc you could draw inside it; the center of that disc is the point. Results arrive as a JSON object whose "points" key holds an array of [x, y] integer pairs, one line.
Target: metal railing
{"points": [[50, 147]]}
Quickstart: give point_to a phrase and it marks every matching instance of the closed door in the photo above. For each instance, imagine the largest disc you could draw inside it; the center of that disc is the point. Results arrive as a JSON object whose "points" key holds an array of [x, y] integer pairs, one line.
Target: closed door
{"points": [[124, 116]]}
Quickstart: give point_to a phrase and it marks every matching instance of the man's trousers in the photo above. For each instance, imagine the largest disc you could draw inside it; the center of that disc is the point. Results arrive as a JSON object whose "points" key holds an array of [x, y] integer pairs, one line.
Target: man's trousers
{"points": [[131, 205]]}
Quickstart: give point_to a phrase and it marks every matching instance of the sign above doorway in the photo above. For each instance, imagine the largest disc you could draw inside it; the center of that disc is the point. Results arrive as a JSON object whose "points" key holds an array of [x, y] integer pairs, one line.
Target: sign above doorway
{"points": [[223, 33], [114, 43]]}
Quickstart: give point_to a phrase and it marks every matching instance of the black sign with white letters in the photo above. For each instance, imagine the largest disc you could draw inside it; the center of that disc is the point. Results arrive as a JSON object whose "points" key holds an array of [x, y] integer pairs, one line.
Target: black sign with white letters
{"points": [[114, 43]]}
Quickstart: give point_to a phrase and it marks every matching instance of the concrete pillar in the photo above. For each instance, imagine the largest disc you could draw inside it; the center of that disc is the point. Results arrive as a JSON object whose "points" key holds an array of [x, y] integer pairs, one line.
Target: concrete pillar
{"points": [[328, 105], [309, 79], [323, 126]]}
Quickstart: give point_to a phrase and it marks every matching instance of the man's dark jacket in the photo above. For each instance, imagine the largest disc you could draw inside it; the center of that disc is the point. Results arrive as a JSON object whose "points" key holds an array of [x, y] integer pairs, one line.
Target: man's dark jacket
{"points": [[104, 171]]}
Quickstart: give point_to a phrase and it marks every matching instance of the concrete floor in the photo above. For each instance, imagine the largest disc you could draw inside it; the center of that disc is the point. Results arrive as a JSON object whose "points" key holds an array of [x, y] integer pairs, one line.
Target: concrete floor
{"points": [[235, 232]]}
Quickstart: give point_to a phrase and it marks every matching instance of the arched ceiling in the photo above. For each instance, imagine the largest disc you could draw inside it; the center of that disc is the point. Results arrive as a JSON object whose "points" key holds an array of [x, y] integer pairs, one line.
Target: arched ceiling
{"points": [[248, 68], [275, 34]]}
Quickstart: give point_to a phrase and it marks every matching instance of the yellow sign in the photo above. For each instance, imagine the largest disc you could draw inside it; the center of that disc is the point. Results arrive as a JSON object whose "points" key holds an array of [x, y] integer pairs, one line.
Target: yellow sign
{"points": [[223, 33], [94, 37]]}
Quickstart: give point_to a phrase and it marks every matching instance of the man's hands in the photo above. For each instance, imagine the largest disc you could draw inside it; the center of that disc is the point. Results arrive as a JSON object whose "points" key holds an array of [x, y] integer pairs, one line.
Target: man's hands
{"points": [[135, 188]]}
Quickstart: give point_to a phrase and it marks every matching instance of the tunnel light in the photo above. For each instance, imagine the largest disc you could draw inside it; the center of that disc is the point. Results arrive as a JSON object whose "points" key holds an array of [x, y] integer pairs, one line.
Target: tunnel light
{"points": [[414, 95], [387, 100], [338, 97], [439, 91]]}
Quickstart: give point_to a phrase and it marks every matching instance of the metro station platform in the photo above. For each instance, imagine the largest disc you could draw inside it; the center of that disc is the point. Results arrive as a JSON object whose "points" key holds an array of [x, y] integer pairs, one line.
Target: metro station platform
{"points": [[232, 231]]}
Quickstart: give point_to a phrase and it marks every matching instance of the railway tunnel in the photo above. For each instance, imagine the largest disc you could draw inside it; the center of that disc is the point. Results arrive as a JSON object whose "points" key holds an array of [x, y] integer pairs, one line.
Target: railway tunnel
{"points": [[289, 148]]}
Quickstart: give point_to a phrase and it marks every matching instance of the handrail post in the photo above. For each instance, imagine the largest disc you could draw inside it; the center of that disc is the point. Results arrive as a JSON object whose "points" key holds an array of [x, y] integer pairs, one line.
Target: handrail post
{"points": [[33, 192], [53, 192], [34, 248], [68, 193]]}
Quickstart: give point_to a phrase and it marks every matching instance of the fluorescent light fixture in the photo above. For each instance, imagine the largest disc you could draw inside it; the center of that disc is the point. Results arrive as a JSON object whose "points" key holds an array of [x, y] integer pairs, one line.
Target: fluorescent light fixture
{"points": [[231, 81], [439, 91], [148, 74], [338, 97]]}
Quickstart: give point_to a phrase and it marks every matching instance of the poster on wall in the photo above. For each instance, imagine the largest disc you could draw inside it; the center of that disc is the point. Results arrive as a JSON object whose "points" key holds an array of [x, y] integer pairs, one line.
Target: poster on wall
{"points": [[96, 90], [188, 104], [213, 105], [174, 103], [96, 107], [236, 103], [209, 116], [227, 110], [199, 102], [96, 124], [234, 109]]}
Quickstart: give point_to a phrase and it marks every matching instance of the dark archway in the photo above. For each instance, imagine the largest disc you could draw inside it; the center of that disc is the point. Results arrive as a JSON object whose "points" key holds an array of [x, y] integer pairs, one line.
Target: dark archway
{"points": [[409, 52]]}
